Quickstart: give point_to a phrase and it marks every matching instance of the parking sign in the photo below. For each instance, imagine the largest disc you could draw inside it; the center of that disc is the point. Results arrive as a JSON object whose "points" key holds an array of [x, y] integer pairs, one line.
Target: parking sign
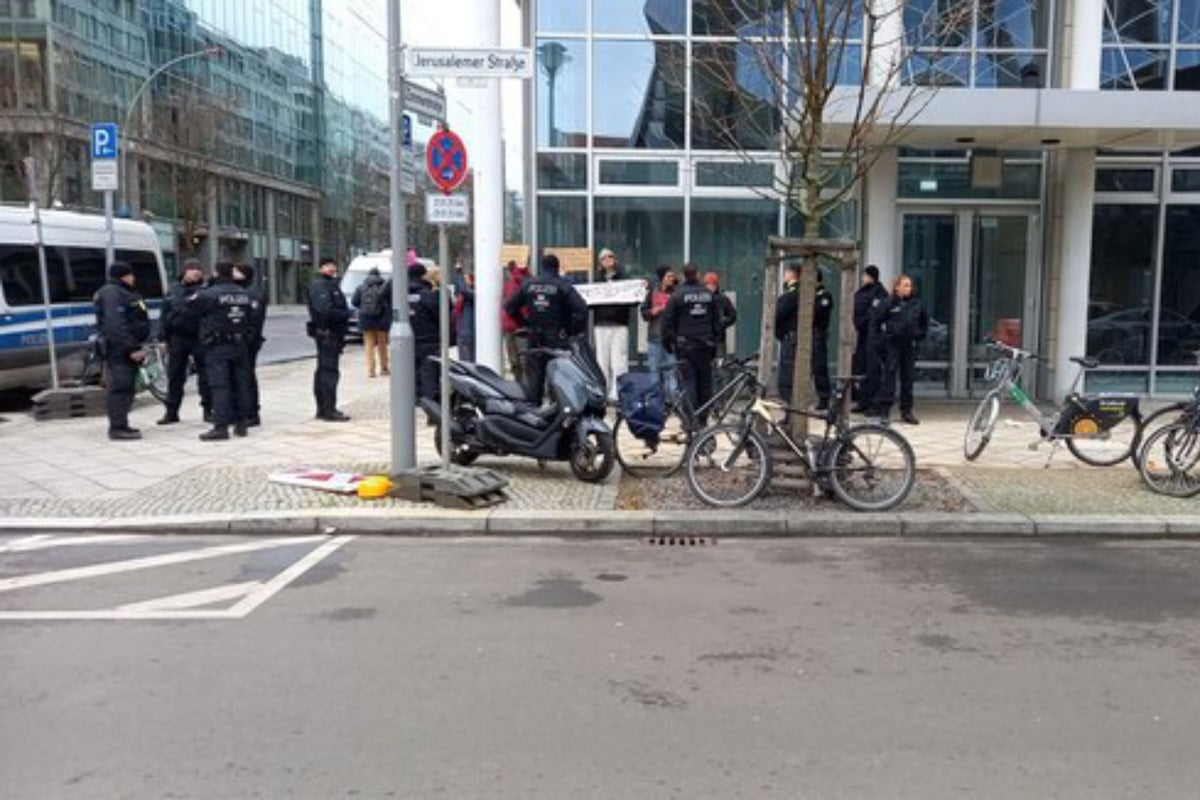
{"points": [[104, 141]]}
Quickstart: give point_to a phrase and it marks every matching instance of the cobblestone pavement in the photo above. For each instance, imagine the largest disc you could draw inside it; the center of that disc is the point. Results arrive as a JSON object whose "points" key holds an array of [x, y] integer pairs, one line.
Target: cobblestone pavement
{"points": [[69, 468]]}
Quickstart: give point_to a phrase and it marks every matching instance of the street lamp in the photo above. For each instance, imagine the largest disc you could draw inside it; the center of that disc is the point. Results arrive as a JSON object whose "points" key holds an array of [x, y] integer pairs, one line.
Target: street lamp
{"points": [[208, 52], [553, 57]]}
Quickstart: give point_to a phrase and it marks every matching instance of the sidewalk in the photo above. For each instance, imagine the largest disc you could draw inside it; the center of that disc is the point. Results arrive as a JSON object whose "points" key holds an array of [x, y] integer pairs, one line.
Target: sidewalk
{"points": [[68, 474]]}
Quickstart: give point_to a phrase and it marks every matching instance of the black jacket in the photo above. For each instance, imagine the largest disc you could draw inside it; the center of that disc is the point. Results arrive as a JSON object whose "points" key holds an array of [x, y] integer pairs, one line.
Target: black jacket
{"points": [[692, 317], [903, 320], [611, 314], [424, 313], [121, 318], [866, 299], [728, 314], [327, 307], [225, 312], [787, 312], [174, 320], [550, 307]]}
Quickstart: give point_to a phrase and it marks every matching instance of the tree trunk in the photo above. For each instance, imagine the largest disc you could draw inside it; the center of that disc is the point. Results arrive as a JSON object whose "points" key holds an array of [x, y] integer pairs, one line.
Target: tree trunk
{"points": [[802, 368]]}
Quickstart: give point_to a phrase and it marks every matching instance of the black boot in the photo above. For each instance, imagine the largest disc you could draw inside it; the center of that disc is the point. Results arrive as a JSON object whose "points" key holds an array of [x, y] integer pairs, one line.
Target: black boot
{"points": [[217, 434], [239, 430], [124, 434], [169, 418]]}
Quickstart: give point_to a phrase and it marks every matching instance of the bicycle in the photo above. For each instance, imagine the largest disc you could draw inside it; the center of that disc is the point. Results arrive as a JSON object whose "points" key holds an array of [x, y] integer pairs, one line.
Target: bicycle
{"points": [[664, 456], [151, 374], [869, 467], [1101, 429], [1169, 455]]}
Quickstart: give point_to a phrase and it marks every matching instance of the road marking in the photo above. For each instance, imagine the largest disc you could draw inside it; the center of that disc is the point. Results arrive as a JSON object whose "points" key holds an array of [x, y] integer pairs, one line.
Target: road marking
{"points": [[17, 544], [273, 586], [204, 597], [45, 541], [132, 565]]}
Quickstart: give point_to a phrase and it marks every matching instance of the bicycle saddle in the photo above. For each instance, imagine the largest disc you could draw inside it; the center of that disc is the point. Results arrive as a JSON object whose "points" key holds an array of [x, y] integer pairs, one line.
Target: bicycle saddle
{"points": [[1086, 362]]}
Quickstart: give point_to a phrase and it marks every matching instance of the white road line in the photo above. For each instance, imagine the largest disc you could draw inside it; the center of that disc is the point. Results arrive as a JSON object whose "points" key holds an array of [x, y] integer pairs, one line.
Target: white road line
{"points": [[17, 544], [132, 565], [46, 541], [204, 597], [273, 586], [106, 614]]}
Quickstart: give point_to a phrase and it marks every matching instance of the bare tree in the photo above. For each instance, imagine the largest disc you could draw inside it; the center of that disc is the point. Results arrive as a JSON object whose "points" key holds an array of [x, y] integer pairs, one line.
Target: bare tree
{"points": [[819, 84]]}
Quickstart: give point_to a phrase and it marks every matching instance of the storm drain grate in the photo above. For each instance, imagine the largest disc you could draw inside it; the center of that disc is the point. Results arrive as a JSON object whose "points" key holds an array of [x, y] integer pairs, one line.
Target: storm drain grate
{"points": [[680, 541]]}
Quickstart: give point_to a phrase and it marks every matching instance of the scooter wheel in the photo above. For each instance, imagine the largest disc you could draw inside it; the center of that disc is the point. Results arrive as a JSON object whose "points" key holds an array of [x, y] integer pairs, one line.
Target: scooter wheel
{"points": [[460, 455], [593, 460]]}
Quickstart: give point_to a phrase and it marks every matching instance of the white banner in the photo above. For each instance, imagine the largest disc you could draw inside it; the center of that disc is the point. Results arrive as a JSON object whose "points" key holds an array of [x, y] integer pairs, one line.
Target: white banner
{"points": [[613, 292], [325, 480]]}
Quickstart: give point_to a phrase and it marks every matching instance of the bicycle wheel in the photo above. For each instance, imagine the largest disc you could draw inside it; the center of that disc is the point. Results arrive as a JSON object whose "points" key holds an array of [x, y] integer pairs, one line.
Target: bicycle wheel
{"points": [[871, 468], [656, 458], [728, 466], [1168, 460], [979, 429], [154, 368], [1110, 447], [1162, 418]]}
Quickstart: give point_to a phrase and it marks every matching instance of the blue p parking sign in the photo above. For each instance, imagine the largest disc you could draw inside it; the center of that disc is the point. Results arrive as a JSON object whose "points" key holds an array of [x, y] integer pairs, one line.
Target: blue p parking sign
{"points": [[104, 141]]}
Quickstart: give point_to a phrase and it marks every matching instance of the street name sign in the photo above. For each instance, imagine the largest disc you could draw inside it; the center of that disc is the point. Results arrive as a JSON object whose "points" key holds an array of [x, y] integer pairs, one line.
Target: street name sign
{"points": [[465, 62], [424, 102], [447, 209]]}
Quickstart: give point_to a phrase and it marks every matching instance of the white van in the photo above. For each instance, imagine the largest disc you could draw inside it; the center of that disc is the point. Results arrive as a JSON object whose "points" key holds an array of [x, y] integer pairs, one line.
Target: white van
{"points": [[356, 274], [75, 265]]}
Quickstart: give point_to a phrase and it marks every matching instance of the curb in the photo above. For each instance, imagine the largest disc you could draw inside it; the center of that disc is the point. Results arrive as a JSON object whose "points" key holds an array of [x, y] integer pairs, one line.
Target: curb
{"points": [[624, 524]]}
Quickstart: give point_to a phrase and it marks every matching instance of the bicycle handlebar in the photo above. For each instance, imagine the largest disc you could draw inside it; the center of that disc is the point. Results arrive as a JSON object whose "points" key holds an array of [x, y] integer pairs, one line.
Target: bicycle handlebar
{"points": [[1014, 352]]}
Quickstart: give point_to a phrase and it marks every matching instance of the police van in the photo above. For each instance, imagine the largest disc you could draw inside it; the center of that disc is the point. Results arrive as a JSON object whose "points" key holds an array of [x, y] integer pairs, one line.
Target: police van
{"points": [[74, 245]]}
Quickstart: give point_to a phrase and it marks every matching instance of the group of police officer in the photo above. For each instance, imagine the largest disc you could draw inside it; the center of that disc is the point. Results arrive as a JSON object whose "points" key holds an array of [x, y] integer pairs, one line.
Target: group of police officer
{"points": [[217, 326]]}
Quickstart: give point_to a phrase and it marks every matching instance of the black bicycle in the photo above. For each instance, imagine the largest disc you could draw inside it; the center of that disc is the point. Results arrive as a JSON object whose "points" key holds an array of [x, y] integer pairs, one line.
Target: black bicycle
{"points": [[1167, 461], [737, 387]]}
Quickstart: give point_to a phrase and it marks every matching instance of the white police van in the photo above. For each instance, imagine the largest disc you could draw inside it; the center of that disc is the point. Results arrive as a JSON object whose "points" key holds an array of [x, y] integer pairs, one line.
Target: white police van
{"points": [[75, 265]]}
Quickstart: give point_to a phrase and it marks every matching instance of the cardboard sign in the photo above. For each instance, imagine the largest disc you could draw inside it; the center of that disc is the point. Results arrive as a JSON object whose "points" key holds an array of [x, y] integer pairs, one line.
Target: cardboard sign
{"points": [[573, 259], [322, 479], [613, 292], [514, 252]]}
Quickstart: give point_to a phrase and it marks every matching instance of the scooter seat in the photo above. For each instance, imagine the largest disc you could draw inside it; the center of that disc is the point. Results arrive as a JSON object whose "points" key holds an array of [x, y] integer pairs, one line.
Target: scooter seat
{"points": [[509, 389]]}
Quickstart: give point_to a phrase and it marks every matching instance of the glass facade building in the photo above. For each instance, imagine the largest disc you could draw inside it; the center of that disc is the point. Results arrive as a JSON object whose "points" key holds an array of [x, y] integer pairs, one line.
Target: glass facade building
{"points": [[264, 140], [654, 127]]}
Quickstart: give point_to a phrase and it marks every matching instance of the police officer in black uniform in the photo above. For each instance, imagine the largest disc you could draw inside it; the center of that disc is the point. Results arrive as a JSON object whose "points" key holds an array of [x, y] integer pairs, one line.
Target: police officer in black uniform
{"points": [[867, 362], [553, 312], [243, 275], [787, 320], [329, 316], [690, 329], [425, 316], [224, 314], [124, 324], [177, 331]]}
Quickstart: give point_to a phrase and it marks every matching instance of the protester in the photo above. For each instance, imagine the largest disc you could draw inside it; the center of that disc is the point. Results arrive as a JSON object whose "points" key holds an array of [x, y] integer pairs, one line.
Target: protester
{"points": [[513, 344], [373, 299], [867, 344], [425, 316], [610, 322], [464, 315], [903, 322], [662, 363], [725, 308]]}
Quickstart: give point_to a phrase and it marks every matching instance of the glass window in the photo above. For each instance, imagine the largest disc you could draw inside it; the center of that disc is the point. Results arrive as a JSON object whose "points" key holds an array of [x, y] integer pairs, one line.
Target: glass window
{"points": [[1129, 67], [950, 69], [843, 19], [562, 16], [561, 93], [562, 221], [639, 91], [734, 99], [743, 18], [731, 173], [562, 171], [953, 179], [19, 275], [1008, 70], [639, 173], [659, 18], [937, 24], [1189, 22], [1122, 284], [1185, 180], [1179, 314], [1187, 70], [1139, 21], [643, 231], [1124, 179], [843, 66], [1012, 24]]}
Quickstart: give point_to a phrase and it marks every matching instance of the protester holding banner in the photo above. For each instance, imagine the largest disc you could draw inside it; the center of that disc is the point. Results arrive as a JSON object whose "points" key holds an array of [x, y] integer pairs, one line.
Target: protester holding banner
{"points": [[611, 327]]}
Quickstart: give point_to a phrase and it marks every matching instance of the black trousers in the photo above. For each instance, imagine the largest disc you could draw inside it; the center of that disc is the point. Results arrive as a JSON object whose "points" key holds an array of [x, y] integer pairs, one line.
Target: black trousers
{"points": [[325, 379], [698, 360], [252, 352], [181, 350], [426, 370], [228, 367], [120, 374], [899, 363], [820, 367], [869, 365]]}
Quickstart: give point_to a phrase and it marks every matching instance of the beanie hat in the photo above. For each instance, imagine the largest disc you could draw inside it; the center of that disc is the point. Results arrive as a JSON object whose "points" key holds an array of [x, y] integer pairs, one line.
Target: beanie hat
{"points": [[873, 271], [711, 277], [416, 269], [412, 257], [119, 269]]}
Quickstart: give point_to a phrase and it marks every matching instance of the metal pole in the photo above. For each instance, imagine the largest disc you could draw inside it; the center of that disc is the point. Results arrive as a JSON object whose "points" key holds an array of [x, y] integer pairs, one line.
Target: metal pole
{"points": [[41, 253], [444, 335], [109, 243], [401, 345]]}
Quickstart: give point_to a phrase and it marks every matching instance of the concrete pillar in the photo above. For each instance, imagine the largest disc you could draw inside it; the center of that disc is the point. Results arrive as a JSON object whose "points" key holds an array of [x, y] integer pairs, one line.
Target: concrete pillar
{"points": [[887, 52], [1084, 33], [273, 277], [881, 221], [488, 157], [316, 235], [213, 245], [1078, 194]]}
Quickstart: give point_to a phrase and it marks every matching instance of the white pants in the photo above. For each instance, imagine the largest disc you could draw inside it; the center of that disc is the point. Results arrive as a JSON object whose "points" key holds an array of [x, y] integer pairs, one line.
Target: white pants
{"points": [[612, 351]]}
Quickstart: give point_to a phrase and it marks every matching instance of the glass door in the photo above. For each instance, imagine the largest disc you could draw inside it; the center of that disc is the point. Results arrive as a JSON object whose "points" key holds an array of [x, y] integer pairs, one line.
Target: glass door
{"points": [[999, 297], [929, 257]]}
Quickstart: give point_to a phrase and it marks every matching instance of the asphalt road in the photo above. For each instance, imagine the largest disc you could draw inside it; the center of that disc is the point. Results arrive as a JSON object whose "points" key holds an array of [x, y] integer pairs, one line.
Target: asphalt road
{"points": [[539, 669]]}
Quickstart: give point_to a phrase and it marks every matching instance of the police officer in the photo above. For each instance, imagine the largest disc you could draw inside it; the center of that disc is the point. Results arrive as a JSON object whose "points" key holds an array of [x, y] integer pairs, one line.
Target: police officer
{"points": [[225, 315], [243, 275], [425, 316], [553, 312], [690, 329], [869, 297], [329, 315], [902, 322], [124, 324], [177, 332], [787, 320]]}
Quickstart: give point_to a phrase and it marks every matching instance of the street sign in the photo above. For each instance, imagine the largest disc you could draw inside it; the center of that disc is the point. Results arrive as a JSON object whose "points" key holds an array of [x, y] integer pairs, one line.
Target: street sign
{"points": [[408, 176], [424, 102], [104, 141], [469, 62], [406, 137], [447, 209], [104, 176], [446, 160]]}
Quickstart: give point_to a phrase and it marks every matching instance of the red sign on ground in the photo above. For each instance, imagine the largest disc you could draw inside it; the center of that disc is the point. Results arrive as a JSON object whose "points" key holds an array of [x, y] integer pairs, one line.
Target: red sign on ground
{"points": [[446, 160]]}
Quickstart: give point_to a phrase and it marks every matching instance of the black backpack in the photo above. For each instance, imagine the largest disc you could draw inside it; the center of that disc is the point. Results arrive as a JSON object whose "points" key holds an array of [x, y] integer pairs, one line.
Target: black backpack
{"points": [[372, 300]]}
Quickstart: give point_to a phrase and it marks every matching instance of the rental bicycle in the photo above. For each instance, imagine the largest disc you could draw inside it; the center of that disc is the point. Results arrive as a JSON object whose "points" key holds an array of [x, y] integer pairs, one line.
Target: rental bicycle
{"points": [[1167, 461], [1101, 429], [151, 374], [869, 467], [663, 455]]}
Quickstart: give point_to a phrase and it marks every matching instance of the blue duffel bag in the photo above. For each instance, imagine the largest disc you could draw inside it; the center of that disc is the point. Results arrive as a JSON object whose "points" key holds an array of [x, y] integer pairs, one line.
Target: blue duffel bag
{"points": [[642, 404]]}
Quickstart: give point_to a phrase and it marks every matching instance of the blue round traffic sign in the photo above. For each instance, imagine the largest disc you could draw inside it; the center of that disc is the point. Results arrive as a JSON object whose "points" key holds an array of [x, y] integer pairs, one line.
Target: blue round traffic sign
{"points": [[446, 160]]}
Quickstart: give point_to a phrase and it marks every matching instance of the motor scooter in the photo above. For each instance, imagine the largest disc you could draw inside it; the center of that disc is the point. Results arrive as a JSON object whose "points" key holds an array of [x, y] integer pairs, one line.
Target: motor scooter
{"points": [[494, 416]]}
